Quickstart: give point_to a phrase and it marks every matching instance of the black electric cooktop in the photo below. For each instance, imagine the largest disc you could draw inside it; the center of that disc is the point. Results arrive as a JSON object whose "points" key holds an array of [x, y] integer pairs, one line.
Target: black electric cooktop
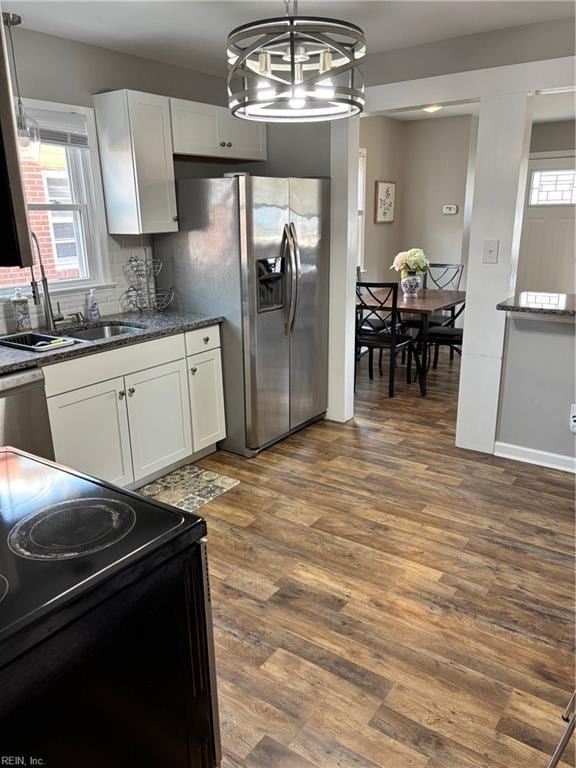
{"points": [[60, 532]]}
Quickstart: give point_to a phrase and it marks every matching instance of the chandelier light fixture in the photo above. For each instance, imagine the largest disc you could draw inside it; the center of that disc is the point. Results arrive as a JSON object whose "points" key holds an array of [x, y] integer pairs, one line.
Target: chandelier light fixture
{"points": [[27, 129], [296, 69]]}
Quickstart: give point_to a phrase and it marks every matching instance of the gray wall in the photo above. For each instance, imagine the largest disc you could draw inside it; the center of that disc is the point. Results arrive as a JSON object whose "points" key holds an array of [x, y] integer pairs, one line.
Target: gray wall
{"points": [[435, 173], [429, 161], [553, 137], [293, 150], [537, 386], [57, 69], [384, 141], [515, 45]]}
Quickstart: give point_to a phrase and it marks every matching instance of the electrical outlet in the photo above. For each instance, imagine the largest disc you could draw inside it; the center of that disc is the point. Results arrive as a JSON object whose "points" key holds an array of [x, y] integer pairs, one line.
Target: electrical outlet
{"points": [[572, 422]]}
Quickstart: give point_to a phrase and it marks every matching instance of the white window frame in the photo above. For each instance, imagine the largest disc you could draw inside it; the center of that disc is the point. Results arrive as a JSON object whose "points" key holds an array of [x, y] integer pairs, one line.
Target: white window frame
{"points": [[97, 259], [81, 208]]}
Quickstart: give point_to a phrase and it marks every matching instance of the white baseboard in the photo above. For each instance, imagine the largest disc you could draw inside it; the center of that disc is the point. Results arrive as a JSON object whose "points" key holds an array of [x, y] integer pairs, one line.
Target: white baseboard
{"points": [[532, 456]]}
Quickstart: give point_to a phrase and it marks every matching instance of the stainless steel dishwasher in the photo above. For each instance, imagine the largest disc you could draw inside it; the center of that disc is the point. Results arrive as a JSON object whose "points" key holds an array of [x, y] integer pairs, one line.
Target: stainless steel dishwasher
{"points": [[24, 421]]}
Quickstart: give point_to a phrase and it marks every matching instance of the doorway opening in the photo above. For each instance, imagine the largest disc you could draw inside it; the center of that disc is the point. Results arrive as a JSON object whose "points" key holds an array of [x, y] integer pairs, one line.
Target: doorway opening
{"points": [[418, 177]]}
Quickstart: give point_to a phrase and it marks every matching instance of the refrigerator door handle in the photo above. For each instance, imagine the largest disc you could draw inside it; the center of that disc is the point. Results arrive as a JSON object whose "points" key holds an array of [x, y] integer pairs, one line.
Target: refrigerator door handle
{"points": [[297, 273], [289, 243]]}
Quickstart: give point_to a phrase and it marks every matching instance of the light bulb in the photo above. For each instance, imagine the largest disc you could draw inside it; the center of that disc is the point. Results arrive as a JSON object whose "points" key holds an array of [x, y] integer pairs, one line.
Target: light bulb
{"points": [[23, 138], [28, 132], [300, 54], [298, 99], [264, 91], [325, 89], [265, 63], [325, 61]]}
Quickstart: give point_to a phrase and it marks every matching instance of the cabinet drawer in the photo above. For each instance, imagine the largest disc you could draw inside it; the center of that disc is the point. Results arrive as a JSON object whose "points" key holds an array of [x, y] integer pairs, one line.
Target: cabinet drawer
{"points": [[83, 371], [202, 339]]}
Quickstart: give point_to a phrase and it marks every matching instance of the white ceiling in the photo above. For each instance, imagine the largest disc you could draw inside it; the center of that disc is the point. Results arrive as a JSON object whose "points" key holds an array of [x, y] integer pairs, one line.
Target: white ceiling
{"points": [[547, 108], [193, 34]]}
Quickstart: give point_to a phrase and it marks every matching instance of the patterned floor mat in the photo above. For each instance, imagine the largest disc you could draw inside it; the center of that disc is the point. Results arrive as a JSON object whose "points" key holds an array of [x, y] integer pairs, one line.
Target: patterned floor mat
{"points": [[189, 487]]}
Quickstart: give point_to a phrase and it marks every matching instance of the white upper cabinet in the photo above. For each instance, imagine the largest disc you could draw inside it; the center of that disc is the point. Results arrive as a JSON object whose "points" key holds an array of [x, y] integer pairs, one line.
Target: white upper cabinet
{"points": [[204, 130], [244, 139], [195, 129], [139, 133], [135, 139]]}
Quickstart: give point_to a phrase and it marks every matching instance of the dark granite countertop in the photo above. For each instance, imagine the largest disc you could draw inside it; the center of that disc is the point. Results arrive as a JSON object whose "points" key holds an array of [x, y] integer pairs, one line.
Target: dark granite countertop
{"points": [[541, 303], [149, 327]]}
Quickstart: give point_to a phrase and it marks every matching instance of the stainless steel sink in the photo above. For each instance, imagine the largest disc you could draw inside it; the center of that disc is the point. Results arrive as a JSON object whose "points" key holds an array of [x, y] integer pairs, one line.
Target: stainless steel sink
{"points": [[102, 332]]}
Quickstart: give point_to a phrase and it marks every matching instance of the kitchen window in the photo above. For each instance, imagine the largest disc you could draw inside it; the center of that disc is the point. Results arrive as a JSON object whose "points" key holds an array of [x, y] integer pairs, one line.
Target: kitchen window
{"points": [[63, 193]]}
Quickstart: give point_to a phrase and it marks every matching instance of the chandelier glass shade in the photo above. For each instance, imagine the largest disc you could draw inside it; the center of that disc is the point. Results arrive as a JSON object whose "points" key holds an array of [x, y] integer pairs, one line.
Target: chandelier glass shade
{"points": [[296, 69]]}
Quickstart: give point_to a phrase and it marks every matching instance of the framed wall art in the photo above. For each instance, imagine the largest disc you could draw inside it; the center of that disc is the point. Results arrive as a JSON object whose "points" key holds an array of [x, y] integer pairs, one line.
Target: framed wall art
{"points": [[384, 202]]}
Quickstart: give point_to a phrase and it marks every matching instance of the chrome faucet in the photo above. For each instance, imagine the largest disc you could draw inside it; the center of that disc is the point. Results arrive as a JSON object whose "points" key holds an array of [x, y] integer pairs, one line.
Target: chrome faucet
{"points": [[49, 317]]}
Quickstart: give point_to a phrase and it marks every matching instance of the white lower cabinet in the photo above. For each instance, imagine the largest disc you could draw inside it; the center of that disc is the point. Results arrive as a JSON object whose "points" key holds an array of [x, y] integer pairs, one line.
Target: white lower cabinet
{"points": [[90, 431], [206, 399], [143, 418], [159, 417]]}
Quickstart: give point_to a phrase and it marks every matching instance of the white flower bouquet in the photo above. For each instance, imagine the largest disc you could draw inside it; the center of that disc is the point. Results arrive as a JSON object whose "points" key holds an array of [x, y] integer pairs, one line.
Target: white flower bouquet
{"points": [[413, 260]]}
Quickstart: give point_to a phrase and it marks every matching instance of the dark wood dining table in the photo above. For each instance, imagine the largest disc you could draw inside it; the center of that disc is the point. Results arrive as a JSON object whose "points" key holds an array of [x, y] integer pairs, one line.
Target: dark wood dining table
{"points": [[429, 300]]}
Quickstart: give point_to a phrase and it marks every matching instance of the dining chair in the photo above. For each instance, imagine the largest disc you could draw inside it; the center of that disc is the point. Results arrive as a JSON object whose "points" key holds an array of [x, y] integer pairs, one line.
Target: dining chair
{"points": [[445, 336], [378, 328], [443, 277], [439, 276]]}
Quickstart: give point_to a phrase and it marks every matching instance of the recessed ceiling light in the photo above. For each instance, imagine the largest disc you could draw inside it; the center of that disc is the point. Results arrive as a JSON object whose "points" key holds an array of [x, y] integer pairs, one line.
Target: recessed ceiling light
{"points": [[433, 108]]}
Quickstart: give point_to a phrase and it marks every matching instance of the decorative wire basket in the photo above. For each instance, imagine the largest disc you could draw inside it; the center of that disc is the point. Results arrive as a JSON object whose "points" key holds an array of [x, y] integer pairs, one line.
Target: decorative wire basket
{"points": [[142, 294]]}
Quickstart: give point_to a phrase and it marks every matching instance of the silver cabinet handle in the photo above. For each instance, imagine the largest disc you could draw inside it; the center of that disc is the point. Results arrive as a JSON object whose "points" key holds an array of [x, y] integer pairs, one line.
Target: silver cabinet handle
{"points": [[222, 143], [229, 144], [131, 391], [206, 339], [121, 394], [193, 371]]}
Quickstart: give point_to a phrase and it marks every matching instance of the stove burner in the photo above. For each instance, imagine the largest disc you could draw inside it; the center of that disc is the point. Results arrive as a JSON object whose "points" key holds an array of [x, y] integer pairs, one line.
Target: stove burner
{"points": [[4, 586], [71, 529]]}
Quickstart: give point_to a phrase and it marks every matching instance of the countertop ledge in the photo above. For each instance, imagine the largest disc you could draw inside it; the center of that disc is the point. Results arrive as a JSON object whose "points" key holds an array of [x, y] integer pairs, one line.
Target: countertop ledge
{"points": [[152, 327], [541, 303]]}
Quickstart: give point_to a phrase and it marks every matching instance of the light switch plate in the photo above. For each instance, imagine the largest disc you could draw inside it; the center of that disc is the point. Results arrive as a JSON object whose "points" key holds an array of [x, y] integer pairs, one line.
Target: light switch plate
{"points": [[490, 251]]}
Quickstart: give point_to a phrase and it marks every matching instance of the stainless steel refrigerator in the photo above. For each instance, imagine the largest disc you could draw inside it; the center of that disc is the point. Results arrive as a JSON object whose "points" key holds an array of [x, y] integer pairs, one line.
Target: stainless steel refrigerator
{"points": [[256, 250]]}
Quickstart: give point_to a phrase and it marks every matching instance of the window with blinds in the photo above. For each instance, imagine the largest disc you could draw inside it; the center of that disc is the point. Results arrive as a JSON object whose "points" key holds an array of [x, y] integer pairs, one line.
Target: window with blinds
{"points": [[59, 187], [55, 186]]}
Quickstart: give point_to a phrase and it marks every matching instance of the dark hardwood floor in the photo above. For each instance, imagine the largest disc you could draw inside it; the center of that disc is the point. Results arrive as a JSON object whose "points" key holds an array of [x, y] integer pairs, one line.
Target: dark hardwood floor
{"points": [[382, 598]]}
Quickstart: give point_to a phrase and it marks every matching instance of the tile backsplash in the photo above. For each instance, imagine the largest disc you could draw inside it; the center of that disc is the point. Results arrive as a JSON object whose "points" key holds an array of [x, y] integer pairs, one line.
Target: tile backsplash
{"points": [[109, 298]]}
